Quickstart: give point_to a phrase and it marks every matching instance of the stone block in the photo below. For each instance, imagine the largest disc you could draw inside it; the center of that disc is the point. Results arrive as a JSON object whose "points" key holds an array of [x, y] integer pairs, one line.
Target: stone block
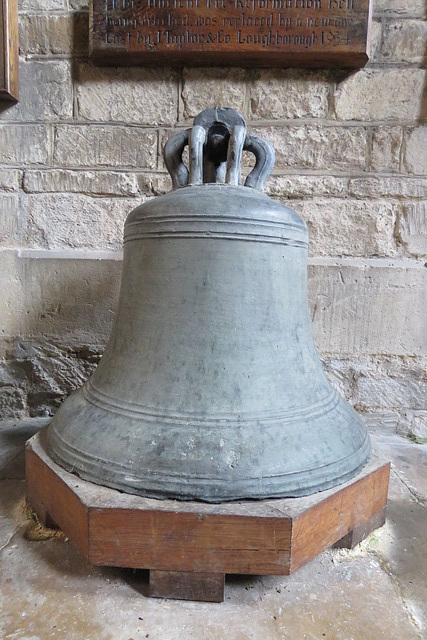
{"points": [[12, 402], [46, 34], [375, 41], [78, 5], [49, 364], [24, 144], [135, 95], [412, 228], [416, 151], [340, 373], [46, 372], [88, 182], [154, 183], [386, 149], [382, 94], [414, 424], [390, 383], [411, 8], [9, 219], [11, 288], [381, 421], [317, 147], [306, 186], [405, 41], [66, 295], [70, 220], [388, 389], [365, 307], [213, 87], [41, 5], [10, 179], [388, 187], [288, 94], [104, 145], [46, 92], [349, 227]]}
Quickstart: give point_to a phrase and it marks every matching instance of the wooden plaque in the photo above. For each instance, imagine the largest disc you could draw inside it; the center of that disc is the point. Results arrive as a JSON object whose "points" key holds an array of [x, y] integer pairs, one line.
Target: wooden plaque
{"points": [[254, 33], [9, 50]]}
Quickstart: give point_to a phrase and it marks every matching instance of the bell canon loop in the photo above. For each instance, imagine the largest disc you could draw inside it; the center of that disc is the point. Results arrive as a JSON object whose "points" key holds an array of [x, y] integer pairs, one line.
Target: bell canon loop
{"points": [[210, 387]]}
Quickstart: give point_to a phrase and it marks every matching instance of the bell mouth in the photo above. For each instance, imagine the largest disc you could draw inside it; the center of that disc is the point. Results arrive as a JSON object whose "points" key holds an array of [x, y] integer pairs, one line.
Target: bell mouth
{"points": [[287, 485], [160, 465]]}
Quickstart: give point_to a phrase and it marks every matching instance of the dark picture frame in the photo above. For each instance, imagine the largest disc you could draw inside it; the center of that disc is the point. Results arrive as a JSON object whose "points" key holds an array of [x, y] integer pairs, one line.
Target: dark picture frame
{"points": [[9, 54]]}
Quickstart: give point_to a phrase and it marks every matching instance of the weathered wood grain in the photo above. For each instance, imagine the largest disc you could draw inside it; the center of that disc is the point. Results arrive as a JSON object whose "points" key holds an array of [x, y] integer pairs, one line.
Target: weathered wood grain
{"points": [[181, 541], [331, 519]]}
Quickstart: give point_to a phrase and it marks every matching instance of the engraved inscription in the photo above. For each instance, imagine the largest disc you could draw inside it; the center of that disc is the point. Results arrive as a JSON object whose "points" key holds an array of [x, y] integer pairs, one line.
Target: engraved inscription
{"points": [[230, 25]]}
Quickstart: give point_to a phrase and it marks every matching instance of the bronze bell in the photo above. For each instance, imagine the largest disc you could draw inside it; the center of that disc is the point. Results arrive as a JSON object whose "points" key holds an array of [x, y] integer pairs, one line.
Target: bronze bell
{"points": [[210, 387]]}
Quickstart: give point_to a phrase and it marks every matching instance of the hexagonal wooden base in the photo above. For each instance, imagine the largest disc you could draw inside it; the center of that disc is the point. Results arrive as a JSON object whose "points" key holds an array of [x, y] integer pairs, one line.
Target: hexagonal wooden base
{"points": [[189, 546]]}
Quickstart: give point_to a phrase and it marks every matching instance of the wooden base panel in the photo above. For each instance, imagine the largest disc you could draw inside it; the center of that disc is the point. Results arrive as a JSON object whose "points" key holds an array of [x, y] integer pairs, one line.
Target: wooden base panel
{"points": [[189, 546]]}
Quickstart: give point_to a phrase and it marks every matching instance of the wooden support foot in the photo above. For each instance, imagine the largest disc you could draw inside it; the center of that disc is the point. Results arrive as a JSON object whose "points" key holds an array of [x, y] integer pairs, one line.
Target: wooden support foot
{"points": [[361, 532], [48, 521], [41, 512], [186, 585]]}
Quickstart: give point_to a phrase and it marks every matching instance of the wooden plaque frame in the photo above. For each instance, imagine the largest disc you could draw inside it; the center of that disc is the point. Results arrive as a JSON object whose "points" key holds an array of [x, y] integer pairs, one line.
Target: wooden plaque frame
{"points": [[9, 54], [188, 547], [244, 33]]}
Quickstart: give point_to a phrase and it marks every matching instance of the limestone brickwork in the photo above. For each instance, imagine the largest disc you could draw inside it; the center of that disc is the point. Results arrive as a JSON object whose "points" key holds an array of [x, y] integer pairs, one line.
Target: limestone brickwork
{"points": [[83, 147]]}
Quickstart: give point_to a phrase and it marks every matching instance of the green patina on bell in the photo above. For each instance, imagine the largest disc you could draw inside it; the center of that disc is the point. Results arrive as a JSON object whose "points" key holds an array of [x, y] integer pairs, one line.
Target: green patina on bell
{"points": [[210, 387]]}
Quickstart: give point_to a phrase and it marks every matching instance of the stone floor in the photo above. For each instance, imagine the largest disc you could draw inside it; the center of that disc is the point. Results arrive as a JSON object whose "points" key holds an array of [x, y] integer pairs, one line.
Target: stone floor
{"points": [[378, 590]]}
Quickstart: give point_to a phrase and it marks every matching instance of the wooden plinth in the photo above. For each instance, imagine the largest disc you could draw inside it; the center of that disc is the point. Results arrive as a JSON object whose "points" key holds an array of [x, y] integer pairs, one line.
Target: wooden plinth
{"points": [[189, 546]]}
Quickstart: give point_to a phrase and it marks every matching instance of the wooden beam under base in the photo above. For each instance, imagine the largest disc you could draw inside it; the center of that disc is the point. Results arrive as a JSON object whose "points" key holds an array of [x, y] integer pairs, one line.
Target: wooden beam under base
{"points": [[189, 546], [187, 585]]}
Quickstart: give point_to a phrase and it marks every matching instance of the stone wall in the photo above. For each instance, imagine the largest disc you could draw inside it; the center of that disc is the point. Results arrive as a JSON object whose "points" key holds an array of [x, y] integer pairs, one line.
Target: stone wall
{"points": [[82, 148]]}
